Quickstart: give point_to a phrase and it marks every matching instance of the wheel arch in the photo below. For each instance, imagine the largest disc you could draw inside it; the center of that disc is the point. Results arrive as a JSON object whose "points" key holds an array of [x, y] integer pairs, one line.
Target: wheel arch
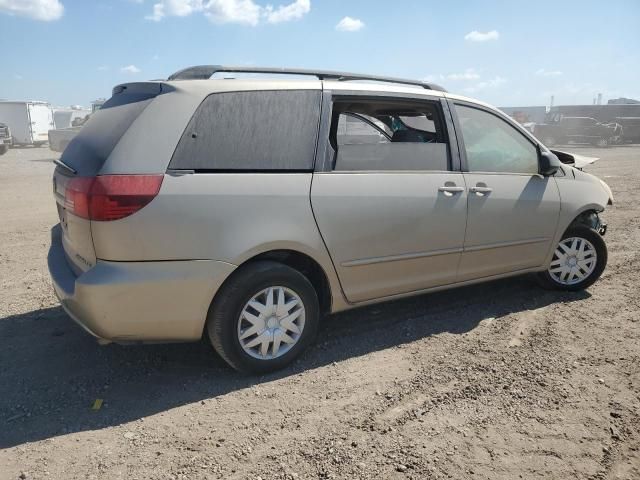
{"points": [[587, 217], [303, 263], [307, 266], [584, 216]]}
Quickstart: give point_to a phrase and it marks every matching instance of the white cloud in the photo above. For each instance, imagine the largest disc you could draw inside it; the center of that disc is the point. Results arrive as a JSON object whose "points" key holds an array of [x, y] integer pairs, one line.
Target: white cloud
{"points": [[245, 12], [468, 74], [548, 73], [286, 13], [476, 36], [130, 69], [45, 10], [493, 83], [158, 13], [434, 78], [348, 24], [233, 11], [176, 8]]}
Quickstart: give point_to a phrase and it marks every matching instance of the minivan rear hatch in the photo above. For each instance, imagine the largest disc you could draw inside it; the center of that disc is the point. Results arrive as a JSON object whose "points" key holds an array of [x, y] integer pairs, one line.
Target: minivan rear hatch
{"points": [[81, 162]]}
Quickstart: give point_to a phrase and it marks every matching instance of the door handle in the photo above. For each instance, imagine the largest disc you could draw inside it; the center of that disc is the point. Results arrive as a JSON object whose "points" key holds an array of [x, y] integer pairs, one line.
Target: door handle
{"points": [[450, 191], [481, 191]]}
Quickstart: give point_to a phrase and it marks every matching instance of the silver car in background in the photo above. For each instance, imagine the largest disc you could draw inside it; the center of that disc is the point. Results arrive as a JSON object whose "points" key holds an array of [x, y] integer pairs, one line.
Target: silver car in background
{"points": [[244, 209]]}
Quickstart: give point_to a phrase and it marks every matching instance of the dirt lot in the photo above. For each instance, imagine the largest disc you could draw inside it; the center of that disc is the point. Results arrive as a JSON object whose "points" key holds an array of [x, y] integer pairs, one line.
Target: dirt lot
{"points": [[500, 381]]}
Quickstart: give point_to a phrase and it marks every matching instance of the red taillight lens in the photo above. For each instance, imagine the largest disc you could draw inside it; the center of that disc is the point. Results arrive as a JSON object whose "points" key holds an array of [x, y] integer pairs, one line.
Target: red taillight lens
{"points": [[76, 197], [110, 197]]}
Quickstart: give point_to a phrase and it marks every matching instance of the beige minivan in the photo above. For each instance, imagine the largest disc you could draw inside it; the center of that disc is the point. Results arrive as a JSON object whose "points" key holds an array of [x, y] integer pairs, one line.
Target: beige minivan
{"points": [[246, 208]]}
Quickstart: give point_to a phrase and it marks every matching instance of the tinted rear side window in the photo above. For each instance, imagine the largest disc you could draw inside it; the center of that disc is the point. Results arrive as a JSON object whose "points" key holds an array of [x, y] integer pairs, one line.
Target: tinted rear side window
{"points": [[88, 151], [260, 130]]}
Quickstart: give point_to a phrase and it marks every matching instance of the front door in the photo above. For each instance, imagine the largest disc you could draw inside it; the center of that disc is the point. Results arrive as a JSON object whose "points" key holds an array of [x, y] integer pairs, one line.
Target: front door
{"points": [[512, 210], [390, 209]]}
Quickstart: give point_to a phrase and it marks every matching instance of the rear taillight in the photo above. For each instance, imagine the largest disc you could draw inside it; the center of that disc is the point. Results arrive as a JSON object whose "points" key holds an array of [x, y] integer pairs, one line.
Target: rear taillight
{"points": [[110, 197]]}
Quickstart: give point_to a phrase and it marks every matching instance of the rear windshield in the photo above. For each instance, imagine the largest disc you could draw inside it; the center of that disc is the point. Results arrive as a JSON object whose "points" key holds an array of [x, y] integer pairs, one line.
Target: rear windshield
{"points": [[88, 151]]}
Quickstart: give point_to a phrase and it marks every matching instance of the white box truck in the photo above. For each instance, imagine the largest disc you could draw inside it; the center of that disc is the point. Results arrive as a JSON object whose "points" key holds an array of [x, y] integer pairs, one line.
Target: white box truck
{"points": [[29, 122]]}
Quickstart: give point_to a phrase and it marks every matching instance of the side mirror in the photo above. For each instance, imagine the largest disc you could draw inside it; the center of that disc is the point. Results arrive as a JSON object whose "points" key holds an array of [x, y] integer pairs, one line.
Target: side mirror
{"points": [[548, 164]]}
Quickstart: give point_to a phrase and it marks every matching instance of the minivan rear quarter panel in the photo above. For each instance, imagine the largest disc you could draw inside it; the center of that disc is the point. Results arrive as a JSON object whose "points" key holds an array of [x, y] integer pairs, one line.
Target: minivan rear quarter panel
{"points": [[216, 216]]}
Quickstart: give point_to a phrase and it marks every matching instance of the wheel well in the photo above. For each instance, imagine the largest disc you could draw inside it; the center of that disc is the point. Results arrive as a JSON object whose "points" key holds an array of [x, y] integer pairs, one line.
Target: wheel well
{"points": [[588, 218], [306, 266]]}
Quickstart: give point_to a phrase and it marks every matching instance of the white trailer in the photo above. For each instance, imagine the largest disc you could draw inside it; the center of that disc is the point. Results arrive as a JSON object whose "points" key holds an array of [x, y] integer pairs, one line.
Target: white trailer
{"points": [[29, 122]]}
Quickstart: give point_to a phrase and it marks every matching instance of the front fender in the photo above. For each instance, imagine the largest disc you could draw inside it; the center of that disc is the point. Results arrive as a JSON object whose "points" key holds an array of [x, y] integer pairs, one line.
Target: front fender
{"points": [[580, 192]]}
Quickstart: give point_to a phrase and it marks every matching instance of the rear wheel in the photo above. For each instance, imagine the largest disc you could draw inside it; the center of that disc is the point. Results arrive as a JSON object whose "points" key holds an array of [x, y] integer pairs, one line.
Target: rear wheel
{"points": [[263, 317], [3, 149], [578, 261]]}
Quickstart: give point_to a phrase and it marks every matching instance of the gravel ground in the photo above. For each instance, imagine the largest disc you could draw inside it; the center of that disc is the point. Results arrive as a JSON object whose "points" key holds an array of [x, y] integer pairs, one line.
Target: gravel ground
{"points": [[498, 381]]}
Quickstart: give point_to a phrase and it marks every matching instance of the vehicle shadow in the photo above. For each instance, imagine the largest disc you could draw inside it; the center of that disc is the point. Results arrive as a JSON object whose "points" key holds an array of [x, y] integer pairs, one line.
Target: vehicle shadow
{"points": [[51, 371]]}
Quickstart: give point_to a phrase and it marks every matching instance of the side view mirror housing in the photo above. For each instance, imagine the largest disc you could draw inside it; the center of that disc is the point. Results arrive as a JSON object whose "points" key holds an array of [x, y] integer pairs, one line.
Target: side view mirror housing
{"points": [[548, 164]]}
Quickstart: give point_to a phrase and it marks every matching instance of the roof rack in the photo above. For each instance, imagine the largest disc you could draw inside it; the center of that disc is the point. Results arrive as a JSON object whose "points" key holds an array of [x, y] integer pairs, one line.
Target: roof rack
{"points": [[204, 72]]}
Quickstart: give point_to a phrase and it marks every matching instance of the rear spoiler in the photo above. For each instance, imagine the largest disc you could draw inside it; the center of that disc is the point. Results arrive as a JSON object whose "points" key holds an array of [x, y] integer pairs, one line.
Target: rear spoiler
{"points": [[577, 161]]}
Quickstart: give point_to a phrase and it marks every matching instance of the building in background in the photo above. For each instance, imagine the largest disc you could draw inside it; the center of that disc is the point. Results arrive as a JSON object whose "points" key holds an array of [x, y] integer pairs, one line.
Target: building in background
{"points": [[623, 101]]}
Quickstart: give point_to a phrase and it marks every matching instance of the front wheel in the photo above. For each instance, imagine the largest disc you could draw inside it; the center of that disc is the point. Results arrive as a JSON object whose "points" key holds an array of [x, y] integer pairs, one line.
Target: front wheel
{"points": [[263, 317], [578, 261], [3, 149]]}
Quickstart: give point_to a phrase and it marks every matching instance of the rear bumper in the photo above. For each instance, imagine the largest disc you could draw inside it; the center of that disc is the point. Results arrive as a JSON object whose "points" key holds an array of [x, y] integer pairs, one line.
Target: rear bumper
{"points": [[137, 301]]}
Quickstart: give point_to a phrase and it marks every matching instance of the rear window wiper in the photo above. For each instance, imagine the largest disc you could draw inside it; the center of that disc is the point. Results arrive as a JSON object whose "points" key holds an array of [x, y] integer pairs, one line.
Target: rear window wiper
{"points": [[60, 163]]}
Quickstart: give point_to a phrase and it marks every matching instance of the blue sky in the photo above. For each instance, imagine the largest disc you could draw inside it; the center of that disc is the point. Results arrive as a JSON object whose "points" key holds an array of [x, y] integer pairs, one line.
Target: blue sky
{"points": [[504, 52]]}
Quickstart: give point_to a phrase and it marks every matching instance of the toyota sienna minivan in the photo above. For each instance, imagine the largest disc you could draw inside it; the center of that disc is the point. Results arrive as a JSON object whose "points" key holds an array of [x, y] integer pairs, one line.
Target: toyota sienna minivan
{"points": [[246, 208]]}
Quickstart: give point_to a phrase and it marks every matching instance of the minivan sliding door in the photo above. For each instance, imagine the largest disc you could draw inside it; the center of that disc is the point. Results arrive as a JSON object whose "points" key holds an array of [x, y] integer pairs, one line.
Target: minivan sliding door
{"points": [[390, 209]]}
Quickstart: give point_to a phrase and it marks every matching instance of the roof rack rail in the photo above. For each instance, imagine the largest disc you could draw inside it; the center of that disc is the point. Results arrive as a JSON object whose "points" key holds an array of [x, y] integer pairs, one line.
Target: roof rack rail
{"points": [[204, 72]]}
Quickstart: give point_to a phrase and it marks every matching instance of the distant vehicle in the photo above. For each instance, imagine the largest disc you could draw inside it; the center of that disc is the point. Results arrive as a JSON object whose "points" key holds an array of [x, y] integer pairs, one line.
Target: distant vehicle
{"points": [[5, 138], [60, 138], [29, 122], [578, 130], [66, 117], [630, 129], [243, 209], [97, 105], [70, 124], [602, 113]]}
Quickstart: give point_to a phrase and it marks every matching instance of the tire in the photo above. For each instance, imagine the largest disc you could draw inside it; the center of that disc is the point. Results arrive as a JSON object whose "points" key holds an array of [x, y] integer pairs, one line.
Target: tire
{"points": [[591, 271], [3, 149], [231, 316], [602, 142]]}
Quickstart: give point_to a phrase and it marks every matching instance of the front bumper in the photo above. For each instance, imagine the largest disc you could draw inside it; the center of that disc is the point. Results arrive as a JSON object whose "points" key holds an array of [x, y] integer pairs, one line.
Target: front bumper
{"points": [[137, 301], [5, 141]]}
